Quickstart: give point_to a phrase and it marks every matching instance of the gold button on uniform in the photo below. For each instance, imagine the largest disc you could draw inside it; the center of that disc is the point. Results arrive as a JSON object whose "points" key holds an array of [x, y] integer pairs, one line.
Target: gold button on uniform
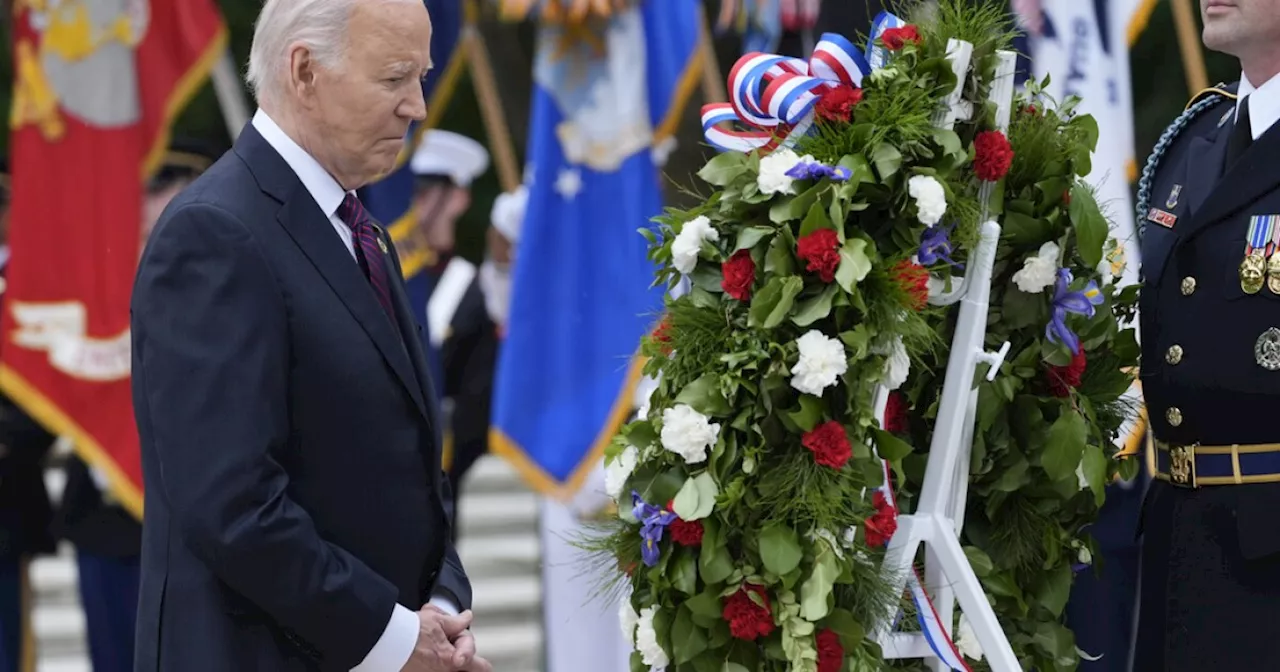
{"points": [[1174, 416], [1188, 286], [1174, 354]]}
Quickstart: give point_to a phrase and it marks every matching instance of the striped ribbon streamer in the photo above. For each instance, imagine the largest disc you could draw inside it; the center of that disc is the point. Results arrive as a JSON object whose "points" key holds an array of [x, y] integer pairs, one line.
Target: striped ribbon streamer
{"points": [[774, 96], [926, 613]]}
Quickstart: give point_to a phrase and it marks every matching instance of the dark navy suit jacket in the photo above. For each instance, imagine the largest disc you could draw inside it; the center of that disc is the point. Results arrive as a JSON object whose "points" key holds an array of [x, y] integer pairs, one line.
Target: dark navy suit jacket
{"points": [[290, 442]]}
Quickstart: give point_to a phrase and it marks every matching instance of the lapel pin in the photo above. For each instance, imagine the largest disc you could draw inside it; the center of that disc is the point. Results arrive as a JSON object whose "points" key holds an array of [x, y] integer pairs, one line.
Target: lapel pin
{"points": [[1172, 201]]}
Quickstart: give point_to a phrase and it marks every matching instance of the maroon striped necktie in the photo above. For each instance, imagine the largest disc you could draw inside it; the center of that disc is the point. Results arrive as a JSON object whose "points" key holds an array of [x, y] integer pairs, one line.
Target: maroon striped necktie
{"points": [[369, 250]]}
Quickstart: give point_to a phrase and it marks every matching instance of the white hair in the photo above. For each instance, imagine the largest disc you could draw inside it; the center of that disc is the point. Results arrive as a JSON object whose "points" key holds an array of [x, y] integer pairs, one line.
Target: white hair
{"points": [[320, 25]]}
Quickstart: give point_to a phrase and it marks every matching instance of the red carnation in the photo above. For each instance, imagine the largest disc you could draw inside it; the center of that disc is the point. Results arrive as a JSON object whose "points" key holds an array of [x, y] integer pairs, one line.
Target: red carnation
{"points": [[895, 413], [880, 527], [914, 280], [836, 104], [1062, 379], [822, 250], [739, 274], [686, 532], [992, 156], [663, 335], [1030, 109], [896, 38], [829, 443], [830, 653], [748, 620]]}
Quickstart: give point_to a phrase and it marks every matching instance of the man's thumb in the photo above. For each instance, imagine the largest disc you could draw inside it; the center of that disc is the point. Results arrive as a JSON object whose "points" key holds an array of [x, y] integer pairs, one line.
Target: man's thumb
{"points": [[456, 625]]}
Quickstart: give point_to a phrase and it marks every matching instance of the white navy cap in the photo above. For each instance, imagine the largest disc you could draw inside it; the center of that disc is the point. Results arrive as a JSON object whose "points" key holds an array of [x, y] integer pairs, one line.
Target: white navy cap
{"points": [[508, 213], [445, 153]]}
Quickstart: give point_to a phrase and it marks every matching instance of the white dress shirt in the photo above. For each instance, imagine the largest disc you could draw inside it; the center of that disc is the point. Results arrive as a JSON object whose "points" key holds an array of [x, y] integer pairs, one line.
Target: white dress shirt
{"points": [[399, 638], [1264, 104]]}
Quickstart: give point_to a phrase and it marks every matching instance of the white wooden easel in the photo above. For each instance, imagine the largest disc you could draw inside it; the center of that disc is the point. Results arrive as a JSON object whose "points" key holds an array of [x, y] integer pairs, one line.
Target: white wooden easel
{"points": [[938, 517]]}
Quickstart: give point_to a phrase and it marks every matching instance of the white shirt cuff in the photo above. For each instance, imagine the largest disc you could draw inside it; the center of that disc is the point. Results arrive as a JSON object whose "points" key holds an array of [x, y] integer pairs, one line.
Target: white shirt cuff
{"points": [[396, 645], [445, 604]]}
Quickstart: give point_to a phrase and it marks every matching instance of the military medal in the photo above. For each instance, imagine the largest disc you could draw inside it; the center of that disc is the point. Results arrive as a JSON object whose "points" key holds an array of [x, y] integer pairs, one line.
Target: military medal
{"points": [[1267, 350], [1273, 259], [1253, 268]]}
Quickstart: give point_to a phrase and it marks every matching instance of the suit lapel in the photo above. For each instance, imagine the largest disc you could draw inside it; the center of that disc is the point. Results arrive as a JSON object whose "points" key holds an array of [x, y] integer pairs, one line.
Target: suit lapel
{"points": [[1251, 177], [409, 328], [314, 235]]}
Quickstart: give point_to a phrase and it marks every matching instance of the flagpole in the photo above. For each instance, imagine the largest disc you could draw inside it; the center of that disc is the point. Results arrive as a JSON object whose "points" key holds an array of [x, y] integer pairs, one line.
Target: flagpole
{"points": [[230, 92], [713, 87], [490, 100], [1189, 43]]}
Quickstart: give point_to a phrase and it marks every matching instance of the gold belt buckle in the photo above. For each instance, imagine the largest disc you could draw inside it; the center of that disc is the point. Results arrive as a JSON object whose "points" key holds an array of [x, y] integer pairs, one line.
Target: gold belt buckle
{"points": [[1182, 465]]}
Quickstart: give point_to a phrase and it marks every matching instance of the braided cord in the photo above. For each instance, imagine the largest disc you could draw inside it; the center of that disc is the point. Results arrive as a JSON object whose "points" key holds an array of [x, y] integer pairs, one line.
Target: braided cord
{"points": [[1153, 162]]}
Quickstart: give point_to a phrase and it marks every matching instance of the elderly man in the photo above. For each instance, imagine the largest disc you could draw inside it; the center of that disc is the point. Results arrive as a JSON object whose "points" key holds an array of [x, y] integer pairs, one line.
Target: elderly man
{"points": [[296, 513], [1211, 364]]}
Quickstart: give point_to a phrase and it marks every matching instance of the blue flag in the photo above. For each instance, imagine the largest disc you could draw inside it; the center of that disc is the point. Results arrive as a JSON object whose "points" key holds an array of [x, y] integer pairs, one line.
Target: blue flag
{"points": [[390, 200], [581, 292]]}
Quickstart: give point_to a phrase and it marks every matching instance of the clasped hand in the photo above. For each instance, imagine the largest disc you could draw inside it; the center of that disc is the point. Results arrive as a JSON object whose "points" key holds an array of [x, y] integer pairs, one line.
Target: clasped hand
{"points": [[445, 644]]}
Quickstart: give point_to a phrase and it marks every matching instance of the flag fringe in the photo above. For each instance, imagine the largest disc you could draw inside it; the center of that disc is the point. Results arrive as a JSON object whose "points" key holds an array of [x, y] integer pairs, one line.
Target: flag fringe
{"points": [[47, 413], [564, 490], [184, 90]]}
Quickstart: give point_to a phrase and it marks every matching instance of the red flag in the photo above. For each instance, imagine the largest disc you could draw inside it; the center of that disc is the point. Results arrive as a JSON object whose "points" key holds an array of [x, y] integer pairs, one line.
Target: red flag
{"points": [[97, 84]]}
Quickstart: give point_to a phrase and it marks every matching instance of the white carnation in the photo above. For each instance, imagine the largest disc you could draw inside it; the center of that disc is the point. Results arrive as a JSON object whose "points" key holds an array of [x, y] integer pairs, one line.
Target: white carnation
{"points": [[822, 362], [898, 364], [773, 178], [931, 199], [688, 243], [1040, 272], [688, 433], [618, 471], [967, 640], [647, 640], [629, 619]]}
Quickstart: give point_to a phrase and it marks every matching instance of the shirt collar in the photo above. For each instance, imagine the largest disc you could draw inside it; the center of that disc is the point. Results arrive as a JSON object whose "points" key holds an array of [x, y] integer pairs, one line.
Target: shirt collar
{"points": [[326, 191], [1264, 104]]}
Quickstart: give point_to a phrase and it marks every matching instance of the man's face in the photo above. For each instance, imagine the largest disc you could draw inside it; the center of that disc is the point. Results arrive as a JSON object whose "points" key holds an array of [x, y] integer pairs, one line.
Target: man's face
{"points": [[438, 209], [153, 205], [1241, 27], [360, 110]]}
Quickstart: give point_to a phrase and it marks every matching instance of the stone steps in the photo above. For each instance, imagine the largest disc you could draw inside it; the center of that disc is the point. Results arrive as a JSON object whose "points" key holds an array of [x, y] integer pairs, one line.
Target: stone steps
{"points": [[499, 545]]}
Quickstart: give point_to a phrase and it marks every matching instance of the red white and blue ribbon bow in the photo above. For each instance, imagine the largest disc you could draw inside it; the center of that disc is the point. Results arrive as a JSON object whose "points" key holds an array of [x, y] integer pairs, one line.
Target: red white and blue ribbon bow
{"points": [[775, 95]]}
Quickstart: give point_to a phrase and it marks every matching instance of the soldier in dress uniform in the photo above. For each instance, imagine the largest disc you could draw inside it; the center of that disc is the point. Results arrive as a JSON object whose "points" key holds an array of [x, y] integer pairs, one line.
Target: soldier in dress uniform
{"points": [[1210, 310], [25, 511], [107, 538], [444, 165], [475, 315]]}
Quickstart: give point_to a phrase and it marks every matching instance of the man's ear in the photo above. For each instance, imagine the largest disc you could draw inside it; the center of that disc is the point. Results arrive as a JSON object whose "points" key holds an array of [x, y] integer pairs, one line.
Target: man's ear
{"points": [[302, 70]]}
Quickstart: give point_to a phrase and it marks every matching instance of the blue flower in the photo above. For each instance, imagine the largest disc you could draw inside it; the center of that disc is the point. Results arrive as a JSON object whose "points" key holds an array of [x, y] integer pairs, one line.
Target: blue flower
{"points": [[812, 170], [654, 521], [1065, 301], [935, 245]]}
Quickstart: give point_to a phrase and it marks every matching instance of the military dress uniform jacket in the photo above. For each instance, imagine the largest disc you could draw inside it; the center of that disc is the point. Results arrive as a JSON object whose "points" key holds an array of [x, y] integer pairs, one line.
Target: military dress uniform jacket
{"points": [[25, 511], [470, 354], [1210, 594], [91, 520]]}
